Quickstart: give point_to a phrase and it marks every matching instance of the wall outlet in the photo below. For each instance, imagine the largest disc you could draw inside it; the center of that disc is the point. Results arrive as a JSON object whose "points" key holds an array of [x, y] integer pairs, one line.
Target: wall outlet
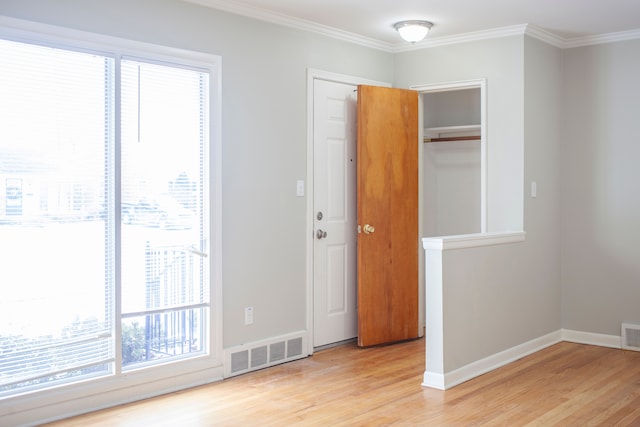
{"points": [[248, 315]]}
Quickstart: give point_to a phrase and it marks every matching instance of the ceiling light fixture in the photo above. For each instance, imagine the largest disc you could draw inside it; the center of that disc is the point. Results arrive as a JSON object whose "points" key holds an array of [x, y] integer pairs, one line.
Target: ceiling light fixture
{"points": [[413, 31]]}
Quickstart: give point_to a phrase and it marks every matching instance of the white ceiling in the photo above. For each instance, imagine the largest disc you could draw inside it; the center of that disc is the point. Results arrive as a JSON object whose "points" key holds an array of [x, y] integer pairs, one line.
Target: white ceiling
{"points": [[372, 20]]}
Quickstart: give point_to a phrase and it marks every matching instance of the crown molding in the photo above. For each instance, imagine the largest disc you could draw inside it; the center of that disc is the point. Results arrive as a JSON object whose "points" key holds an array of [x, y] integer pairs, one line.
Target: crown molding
{"points": [[514, 30], [289, 21], [325, 30], [545, 36], [571, 42], [601, 39]]}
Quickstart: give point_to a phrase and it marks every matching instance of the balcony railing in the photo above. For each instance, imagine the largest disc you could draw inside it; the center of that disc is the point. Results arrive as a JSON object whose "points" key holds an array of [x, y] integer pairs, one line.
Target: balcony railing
{"points": [[176, 307]]}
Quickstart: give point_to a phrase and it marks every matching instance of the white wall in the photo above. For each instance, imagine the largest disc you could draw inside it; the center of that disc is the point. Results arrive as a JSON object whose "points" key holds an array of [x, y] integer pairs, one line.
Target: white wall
{"points": [[600, 188]]}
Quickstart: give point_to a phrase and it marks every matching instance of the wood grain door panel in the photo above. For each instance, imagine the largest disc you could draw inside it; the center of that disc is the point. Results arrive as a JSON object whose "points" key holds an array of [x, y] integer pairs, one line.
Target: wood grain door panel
{"points": [[387, 194]]}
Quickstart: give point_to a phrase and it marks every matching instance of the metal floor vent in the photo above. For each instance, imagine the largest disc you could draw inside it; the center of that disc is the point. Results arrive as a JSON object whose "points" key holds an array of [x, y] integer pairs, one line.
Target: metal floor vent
{"points": [[630, 337], [260, 355]]}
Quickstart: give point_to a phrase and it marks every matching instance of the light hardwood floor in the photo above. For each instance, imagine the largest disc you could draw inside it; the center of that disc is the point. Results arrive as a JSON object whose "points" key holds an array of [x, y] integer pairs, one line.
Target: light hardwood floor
{"points": [[564, 385]]}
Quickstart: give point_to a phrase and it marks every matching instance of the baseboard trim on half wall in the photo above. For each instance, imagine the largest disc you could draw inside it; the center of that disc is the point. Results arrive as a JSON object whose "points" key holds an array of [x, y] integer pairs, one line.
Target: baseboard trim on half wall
{"points": [[458, 376]]}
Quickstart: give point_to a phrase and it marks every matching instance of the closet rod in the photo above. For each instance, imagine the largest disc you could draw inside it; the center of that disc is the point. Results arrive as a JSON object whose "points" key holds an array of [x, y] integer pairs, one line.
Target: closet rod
{"points": [[453, 138]]}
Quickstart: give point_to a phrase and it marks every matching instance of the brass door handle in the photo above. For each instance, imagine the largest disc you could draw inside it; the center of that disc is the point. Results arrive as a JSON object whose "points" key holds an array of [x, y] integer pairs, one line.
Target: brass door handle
{"points": [[368, 229]]}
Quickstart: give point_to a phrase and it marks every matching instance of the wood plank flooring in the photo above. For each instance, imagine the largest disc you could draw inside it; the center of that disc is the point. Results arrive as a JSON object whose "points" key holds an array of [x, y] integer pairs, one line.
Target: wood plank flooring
{"points": [[564, 385]]}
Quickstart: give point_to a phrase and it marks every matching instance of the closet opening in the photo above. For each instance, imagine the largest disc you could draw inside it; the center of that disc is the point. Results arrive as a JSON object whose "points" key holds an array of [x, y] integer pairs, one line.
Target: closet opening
{"points": [[453, 153]]}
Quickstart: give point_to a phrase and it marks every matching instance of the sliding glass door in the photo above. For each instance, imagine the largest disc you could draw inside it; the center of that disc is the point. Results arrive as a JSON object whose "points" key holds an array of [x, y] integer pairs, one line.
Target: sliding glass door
{"points": [[103, 214]]}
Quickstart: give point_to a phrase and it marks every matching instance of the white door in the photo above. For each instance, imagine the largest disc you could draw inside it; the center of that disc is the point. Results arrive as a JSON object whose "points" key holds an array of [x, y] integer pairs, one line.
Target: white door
{"points": [[334, 212]]}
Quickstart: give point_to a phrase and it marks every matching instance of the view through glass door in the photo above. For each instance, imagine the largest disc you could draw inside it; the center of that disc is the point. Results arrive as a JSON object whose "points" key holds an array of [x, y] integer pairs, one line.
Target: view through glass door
{"points": [[104, 215], [165, 292]]}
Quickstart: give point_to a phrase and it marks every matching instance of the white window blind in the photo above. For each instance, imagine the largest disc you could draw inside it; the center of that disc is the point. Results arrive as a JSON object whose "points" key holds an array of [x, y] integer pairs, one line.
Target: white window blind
{"points": [[56, 299]]}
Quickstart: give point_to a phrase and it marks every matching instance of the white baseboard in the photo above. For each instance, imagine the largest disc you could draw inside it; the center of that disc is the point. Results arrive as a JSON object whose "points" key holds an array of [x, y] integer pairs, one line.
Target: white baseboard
{"points": [[434, 380], [602, 340], [458, 376]]}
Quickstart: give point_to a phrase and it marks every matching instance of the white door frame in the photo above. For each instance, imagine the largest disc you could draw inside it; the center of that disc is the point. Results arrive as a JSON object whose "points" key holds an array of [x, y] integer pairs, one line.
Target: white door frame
{"points": [[313, 74]]}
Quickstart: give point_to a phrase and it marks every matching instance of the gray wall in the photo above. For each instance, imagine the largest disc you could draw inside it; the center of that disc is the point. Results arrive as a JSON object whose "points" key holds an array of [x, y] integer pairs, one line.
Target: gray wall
{"points": [[600, 178], [501, 62], [264, 69], [501, 296], [264, 153], [541, 259]]}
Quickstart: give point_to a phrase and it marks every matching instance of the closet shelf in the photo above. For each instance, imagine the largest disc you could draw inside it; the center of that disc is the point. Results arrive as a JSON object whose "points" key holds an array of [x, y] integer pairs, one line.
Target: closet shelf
{"points": [[452, 133]]}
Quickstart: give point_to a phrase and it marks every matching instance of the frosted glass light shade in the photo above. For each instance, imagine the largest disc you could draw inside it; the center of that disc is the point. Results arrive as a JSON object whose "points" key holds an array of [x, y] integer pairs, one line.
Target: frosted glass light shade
{"points": [[413, 31]]}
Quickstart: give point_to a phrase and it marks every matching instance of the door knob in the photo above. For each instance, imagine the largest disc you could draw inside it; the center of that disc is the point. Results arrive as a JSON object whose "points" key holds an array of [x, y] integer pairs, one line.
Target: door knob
{"points": [[321, 234], [368, 229]]}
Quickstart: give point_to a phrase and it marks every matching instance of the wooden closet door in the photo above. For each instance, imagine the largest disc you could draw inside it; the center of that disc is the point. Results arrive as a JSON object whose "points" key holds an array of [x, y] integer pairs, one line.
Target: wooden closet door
{"points": [[387, 193]]}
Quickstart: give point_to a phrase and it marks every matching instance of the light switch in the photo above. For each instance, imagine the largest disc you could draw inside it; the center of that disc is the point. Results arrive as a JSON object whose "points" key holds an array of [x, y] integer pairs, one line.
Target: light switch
{"points": [[248, 315], [300, 188], [534, 189]]}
